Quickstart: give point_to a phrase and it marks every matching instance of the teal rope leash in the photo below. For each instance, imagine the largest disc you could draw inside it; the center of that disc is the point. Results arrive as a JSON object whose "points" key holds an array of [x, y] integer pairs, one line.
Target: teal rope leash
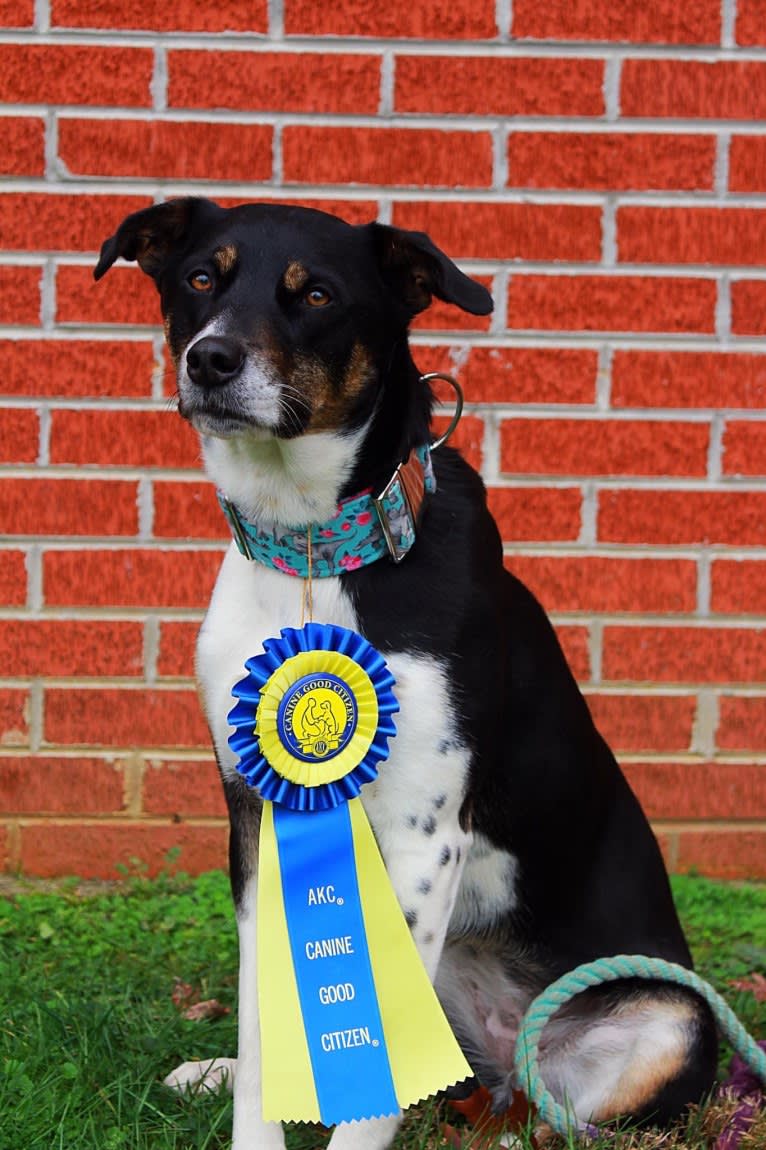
{"points": [[526, 1065]]}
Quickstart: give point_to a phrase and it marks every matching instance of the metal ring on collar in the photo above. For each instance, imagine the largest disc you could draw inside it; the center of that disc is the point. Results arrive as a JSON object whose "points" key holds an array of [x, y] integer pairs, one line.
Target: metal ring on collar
{"points": [[458, 405]]}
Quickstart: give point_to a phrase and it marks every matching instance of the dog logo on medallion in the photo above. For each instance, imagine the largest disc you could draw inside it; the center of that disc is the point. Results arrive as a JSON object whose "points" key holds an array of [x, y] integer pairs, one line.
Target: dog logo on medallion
{"points": [[317, 717]]}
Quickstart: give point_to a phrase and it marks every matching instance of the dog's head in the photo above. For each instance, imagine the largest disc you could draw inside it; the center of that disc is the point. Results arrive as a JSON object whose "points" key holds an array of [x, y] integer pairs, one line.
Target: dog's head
{"points": [[282, 321]]}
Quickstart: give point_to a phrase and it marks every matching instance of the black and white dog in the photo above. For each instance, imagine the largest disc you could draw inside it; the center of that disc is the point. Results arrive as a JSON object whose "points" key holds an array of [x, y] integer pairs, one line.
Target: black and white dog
{"points": [[514, 845]]}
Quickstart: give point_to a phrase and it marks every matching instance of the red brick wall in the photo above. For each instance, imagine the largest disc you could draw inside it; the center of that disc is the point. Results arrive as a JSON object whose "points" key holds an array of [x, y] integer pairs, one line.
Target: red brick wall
{"points": [[601, 167]]}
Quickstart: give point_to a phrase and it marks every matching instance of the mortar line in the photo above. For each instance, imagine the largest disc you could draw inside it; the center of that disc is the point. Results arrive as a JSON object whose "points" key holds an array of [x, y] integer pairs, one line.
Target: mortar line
{"points": [[728, 23], [387, 83], [159, 82]]}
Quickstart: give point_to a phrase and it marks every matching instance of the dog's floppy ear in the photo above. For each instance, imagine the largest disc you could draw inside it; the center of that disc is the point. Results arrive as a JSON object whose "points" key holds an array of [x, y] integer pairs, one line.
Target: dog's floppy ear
{"points": [[149, 236], [418, 270]]}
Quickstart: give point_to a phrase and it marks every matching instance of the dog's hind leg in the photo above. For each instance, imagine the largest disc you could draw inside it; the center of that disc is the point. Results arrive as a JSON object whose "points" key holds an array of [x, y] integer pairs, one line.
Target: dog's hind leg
{"points": [[646, 1056]]}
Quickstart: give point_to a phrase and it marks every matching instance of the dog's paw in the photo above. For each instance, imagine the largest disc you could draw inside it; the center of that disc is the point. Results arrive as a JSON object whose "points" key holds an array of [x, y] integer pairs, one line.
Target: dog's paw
{"points": [[210, 1076]]}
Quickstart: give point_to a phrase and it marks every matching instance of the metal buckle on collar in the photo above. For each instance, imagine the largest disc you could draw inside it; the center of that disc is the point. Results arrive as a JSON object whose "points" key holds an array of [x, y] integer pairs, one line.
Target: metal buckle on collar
{"points": [[237, 530], [399, 506]]}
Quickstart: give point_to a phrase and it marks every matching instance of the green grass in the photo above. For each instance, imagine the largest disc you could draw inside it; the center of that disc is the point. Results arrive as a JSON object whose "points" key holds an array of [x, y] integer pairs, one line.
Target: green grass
{"points": [[88, 1027]]}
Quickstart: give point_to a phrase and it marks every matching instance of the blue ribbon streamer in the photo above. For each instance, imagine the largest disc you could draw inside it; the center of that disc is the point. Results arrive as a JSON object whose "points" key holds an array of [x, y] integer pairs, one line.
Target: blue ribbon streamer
{"points": [[339, 1002]]}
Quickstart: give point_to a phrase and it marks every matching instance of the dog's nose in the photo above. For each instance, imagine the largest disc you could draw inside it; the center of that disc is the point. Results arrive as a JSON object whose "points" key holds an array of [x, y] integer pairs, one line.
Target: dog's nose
{"points": [[214, 361]]}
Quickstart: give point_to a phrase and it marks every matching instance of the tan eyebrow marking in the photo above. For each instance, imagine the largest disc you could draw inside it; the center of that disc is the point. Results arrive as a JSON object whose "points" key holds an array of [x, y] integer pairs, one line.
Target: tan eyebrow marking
{"points": [[295, 276], [225, 258]]}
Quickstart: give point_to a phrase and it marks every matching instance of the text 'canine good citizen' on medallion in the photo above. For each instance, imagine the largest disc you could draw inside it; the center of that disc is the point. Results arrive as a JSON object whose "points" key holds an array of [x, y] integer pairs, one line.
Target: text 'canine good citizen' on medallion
{"points": [[317, 717]]}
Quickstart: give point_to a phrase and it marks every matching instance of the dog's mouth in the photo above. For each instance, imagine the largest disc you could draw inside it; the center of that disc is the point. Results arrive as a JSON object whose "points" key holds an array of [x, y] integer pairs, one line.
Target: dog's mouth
{"points": [[221, 425], [210, 416]]}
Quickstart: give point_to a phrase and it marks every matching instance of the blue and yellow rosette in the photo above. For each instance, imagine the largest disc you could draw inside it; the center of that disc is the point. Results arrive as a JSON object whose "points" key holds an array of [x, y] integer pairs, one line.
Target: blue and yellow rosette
{"points": [[350, 1025]]}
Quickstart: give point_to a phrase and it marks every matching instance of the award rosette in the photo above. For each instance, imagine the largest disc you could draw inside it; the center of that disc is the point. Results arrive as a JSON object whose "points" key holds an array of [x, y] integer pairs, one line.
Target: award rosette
{"points": [[350, 1025]]}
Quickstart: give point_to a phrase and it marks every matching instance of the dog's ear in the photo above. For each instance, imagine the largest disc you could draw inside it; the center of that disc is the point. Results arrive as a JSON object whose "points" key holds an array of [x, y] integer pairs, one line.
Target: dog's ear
{"points": [[418, 270], [149, 236]]}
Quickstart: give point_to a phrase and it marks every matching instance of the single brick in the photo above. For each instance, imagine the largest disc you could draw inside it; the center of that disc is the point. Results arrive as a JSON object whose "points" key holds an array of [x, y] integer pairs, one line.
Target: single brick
{"points": [[576, 647], [683, 790], [540, 514], [177, 643], [59, 647], [493, 86], [32, 221], [751, 28], [123, 439], [53, 74], [748, 307], [684, 654], [747, 164], [611, 160], [275, 82], [497, 231], [17, 13], [14, 717], [419, 157], [183, 789], [744, 448], [130, 578], [109, 850], [611, 303], [19, 294], [77, 367], [593, 583], [42, 784], [157, 16], [742, 723], [439, 20], [688, 379], [738, 586], [681, 517], [19, 435], [123, 717], [725, 854], [125, 296], [687, 89], [13, 578], [68, 507], [603, 447], [22, 146], [164, 149], [518, 374], [187, 511], [652, 723], [691, 235], [661, 22]]}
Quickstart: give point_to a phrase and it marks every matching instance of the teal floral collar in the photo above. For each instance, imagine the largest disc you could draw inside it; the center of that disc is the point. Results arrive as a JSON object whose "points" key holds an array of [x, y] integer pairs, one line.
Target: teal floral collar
{"points": [[363, 529]]}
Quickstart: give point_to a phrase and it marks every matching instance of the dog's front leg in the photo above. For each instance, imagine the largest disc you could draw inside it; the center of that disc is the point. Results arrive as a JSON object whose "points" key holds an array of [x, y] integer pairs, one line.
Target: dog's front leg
{"points": [[251, 1131], [424, 866]]}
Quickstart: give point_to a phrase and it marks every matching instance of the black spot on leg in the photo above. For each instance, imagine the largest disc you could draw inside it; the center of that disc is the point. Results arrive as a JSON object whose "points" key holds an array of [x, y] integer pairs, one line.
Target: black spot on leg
{"points": [[444, 746], [445, 856], [411, 918], [458, 855], [412, 820], [424, 886], [428, 936], [439, 801], [429, 825]]}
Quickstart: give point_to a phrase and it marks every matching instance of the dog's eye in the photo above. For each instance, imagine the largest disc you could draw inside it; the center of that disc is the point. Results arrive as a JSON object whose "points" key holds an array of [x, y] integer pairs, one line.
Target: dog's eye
{"points": [[201, 281], [317, 297]]}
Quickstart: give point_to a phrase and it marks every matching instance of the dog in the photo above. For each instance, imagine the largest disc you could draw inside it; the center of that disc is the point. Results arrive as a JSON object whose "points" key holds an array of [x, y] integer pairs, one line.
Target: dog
{"points": [[514, 845]]}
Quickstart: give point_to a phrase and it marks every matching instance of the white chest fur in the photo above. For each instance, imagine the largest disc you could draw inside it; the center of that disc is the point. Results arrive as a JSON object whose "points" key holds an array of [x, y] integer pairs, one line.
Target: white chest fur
{"points": [[423, 779]]}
